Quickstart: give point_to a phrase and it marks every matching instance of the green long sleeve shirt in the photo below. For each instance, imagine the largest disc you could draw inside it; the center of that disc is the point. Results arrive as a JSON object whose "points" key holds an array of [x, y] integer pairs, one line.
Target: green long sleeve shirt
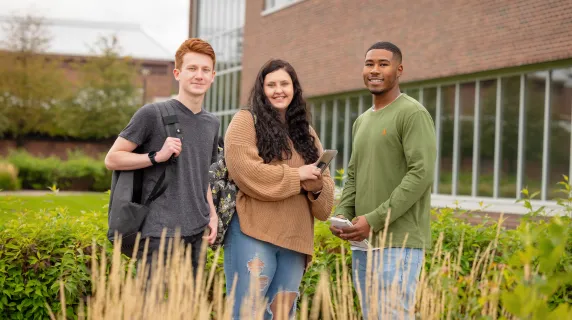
{"points": [[391, 166]]}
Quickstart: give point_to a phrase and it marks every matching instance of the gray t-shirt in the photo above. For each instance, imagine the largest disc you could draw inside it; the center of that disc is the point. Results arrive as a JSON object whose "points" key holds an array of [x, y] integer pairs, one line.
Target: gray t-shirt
{"points": [[184, 204]]}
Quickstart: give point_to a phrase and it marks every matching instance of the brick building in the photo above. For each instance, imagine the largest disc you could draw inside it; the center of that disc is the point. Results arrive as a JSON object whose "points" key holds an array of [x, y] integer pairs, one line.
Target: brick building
{"points": [[495, 75], [70, 44], [71, 41]]}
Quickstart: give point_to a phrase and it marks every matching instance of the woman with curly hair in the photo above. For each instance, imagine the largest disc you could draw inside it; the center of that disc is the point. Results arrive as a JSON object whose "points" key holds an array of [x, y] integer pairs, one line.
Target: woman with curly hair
{"points": [[270, 152]]}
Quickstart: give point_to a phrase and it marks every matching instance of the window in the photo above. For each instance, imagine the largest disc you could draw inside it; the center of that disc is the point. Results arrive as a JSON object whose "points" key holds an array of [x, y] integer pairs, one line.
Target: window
{"points": [[224, 30], [271, 6], [155, 69], [496, 135]]}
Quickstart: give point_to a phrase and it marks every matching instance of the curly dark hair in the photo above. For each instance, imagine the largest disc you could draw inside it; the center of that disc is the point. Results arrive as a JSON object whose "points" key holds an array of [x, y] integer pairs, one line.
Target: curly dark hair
{"points": [[271, 133]]}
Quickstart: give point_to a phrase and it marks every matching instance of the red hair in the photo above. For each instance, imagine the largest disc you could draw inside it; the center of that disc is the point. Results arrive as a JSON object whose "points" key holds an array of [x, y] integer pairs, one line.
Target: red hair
{"points": [[193, 45]]}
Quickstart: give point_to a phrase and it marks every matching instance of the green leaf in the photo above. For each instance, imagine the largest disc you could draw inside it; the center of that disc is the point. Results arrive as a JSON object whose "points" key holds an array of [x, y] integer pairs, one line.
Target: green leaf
{"points": [[563, 311], [511, 302]]}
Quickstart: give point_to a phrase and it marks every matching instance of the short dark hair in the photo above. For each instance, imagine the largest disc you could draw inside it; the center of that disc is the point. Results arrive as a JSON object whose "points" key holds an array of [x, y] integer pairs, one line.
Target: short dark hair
{"points": [[387, 46]]}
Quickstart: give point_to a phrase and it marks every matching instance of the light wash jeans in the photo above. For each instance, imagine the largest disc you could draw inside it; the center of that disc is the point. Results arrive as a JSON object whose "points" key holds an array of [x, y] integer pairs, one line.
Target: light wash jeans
{"points": [[403, 265], [279, 270]]}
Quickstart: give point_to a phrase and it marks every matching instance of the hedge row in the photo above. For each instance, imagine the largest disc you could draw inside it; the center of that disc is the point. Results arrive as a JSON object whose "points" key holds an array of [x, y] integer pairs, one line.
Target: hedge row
{"points": [[79, 172]]}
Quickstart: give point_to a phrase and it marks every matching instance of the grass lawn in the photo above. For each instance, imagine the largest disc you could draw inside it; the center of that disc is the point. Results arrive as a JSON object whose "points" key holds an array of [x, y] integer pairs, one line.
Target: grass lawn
{"points": [[12, 206]]}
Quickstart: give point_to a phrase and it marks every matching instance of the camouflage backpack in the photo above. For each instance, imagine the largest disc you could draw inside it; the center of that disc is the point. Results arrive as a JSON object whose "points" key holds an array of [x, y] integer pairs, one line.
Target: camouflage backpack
{"points": [[224, 193]]}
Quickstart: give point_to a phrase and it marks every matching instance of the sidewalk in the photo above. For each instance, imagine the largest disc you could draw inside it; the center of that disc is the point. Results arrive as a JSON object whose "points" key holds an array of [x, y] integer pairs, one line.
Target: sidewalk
{"points": [[33, 193], [506, 205]]}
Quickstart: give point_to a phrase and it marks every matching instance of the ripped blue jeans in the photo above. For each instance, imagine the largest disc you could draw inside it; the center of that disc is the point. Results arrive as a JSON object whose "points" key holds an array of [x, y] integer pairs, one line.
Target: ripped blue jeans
{"points": [[394, 276], [278, 270]]}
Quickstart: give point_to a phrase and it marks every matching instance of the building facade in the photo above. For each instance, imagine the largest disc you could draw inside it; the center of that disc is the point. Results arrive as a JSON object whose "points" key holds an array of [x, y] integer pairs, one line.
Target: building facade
{"points": [[495, 76], [73, 42]]}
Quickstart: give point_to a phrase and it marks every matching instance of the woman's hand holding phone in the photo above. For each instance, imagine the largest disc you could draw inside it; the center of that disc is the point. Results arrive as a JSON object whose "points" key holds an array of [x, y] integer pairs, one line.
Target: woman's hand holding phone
{"points": [[309, 172]]}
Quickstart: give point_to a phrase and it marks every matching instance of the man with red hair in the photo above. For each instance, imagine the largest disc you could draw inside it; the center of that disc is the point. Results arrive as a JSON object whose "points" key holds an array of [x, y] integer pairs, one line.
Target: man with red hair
{"points": [[186, 204]]}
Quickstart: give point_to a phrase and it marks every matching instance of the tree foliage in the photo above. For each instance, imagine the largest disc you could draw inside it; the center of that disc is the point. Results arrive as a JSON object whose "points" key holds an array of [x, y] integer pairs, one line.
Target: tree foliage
{"points": [[106, 97], [38, 95], [31, 84]]}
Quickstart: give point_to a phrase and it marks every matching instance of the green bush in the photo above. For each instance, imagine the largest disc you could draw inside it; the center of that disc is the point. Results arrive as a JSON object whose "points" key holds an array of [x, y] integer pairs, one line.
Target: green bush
{"points": [[79, 172], [39, 249], [527, 272], [35, 173], [84, 174], [8, 177], [539, 282]]}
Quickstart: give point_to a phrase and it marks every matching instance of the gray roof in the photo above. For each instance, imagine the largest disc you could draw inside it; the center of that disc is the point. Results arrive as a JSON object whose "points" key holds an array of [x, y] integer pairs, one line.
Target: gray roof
{"points": [[75, 37]]}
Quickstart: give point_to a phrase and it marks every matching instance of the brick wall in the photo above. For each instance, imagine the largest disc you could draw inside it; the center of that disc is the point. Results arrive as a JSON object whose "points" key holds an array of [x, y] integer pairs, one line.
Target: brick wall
{"points": [[325, 40], [160, 81]]}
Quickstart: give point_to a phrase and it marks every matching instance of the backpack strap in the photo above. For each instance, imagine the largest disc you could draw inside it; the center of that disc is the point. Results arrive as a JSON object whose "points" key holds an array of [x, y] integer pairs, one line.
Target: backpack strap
{"points": [[170, 120], [172, 129]]}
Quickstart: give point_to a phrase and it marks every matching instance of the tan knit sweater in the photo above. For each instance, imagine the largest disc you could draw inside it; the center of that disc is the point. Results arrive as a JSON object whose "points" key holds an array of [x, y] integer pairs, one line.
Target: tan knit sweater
{"points": [[269, 204]]}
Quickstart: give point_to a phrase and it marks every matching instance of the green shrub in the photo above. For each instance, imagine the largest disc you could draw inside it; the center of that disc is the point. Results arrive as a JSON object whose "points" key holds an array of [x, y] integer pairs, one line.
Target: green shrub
{"points": [[84, 174], [101, 180], [526, 270], [539, 282], [39, 249], [79, 172], [35, 173], [8, 177]]}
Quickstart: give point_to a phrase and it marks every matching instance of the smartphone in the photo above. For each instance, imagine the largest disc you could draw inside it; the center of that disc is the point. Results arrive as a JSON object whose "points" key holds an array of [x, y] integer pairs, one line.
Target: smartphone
{"points": [[340, 223], [326, 158]]}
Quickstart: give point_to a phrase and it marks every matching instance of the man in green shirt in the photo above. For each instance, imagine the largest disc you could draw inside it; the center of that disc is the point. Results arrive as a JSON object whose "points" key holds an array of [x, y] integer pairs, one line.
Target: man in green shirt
{"points": [[389, 181]]}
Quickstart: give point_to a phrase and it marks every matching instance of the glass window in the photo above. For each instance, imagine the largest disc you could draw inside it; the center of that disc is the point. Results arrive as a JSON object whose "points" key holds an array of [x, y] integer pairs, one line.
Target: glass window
{"points": [[276, 4], [354, 114], [326, 124], [413, 93], [349, 117], [560, 130], [487, 98], [509, 150], [317, 119], [430, 100], [466, 120], [237, 89], [367, 102], [338, 115], [227, 91], [535, 89], [223, 29], [446, 155], [213, 95]]}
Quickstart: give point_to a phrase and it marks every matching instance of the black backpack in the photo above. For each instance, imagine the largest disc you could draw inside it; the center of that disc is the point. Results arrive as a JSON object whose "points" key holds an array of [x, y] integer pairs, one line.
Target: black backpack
{"points": [[127, 211]]}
